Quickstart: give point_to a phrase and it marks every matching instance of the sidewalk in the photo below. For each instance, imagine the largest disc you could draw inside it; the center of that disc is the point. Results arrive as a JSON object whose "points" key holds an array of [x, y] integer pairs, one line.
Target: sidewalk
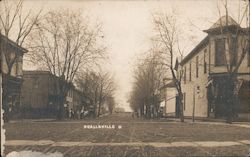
{"points": [[104, 115], [154, 144], [32, 120], [212, 122]]}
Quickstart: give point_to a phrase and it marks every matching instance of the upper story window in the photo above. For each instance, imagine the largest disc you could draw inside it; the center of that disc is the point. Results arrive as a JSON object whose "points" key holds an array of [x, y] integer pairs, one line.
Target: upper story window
{"points": [[197, 66], [19, 62], [35, 82], [190, 71], [185, 75], [220, 52], [233, 52], [205, 62]]}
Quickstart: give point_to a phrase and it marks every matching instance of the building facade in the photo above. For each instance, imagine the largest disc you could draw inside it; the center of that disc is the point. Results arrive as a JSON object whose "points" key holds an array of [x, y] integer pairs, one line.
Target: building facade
{"points": [[11, 69], [207, 66], [40, 98], [168, 99]]}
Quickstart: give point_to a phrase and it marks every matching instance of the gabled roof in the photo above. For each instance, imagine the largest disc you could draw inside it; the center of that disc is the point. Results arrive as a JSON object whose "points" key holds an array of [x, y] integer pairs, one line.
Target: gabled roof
{"points": [[12, 43], [224, 24], [170, 84]]}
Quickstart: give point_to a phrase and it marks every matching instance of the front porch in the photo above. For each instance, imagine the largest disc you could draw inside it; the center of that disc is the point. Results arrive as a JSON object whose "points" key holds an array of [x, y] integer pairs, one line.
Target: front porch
{"points": [[218, 106]]}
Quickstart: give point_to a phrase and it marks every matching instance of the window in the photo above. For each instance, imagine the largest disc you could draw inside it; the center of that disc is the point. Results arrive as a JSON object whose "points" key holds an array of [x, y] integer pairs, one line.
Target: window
{"points": [[19, 66], [185, 75], [197, 66], [233, 53], [205, 63], [35, 82], [190, 71], [220, 53]]}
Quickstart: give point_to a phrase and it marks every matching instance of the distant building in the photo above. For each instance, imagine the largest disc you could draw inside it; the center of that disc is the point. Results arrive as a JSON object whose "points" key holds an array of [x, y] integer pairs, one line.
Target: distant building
{"points": [[39, 95], [12, 55], [205, 68], [119, 109], [168, 99], [104, 109]]}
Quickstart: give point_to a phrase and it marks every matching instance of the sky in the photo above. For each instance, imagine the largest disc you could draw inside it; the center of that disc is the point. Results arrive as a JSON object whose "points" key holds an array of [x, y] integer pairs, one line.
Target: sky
{"points": [[128, 27]]}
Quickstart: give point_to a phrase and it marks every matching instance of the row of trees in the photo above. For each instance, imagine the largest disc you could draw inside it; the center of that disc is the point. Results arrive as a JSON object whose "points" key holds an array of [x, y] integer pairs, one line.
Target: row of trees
{"points": [[60, 41], [145, 96], [159, 64], [97, 89]]}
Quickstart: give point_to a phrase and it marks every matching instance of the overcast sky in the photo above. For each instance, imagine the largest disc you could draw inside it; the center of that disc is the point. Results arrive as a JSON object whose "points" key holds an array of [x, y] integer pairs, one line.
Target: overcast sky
{"points": [[127, 27]]}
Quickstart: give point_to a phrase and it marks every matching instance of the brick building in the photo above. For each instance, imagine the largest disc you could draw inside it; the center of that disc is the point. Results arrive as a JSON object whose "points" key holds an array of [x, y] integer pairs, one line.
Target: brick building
{"points": [[39, 96]]}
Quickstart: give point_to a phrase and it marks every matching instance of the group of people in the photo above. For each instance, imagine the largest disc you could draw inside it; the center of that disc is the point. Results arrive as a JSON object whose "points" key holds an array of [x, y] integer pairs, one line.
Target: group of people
{"points": [[75, 114]]}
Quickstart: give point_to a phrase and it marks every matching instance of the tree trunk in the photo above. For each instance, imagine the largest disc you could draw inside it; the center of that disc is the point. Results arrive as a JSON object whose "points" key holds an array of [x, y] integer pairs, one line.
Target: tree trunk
{"points": [[230, 98], [5, 97], [181, 106], [99, 109], [178, 87]]}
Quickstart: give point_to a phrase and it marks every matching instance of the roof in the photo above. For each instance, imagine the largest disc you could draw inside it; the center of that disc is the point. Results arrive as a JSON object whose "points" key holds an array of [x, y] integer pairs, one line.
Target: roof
{"points": [[202, 44], [171, 84], [35, 72], [224, 21], [12, 43], [42, 72]]}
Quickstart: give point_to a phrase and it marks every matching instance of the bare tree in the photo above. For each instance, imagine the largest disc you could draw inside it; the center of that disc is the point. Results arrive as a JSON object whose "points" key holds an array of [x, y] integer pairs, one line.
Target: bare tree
{"points": [[64, 44], [17, 25], [167, 37], [88, 85], [97, 88], [107, 88]]}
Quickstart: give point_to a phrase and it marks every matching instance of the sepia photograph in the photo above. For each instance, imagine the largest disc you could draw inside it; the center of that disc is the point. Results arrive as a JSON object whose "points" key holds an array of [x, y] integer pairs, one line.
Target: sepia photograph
{"points": [[125, 78]]}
